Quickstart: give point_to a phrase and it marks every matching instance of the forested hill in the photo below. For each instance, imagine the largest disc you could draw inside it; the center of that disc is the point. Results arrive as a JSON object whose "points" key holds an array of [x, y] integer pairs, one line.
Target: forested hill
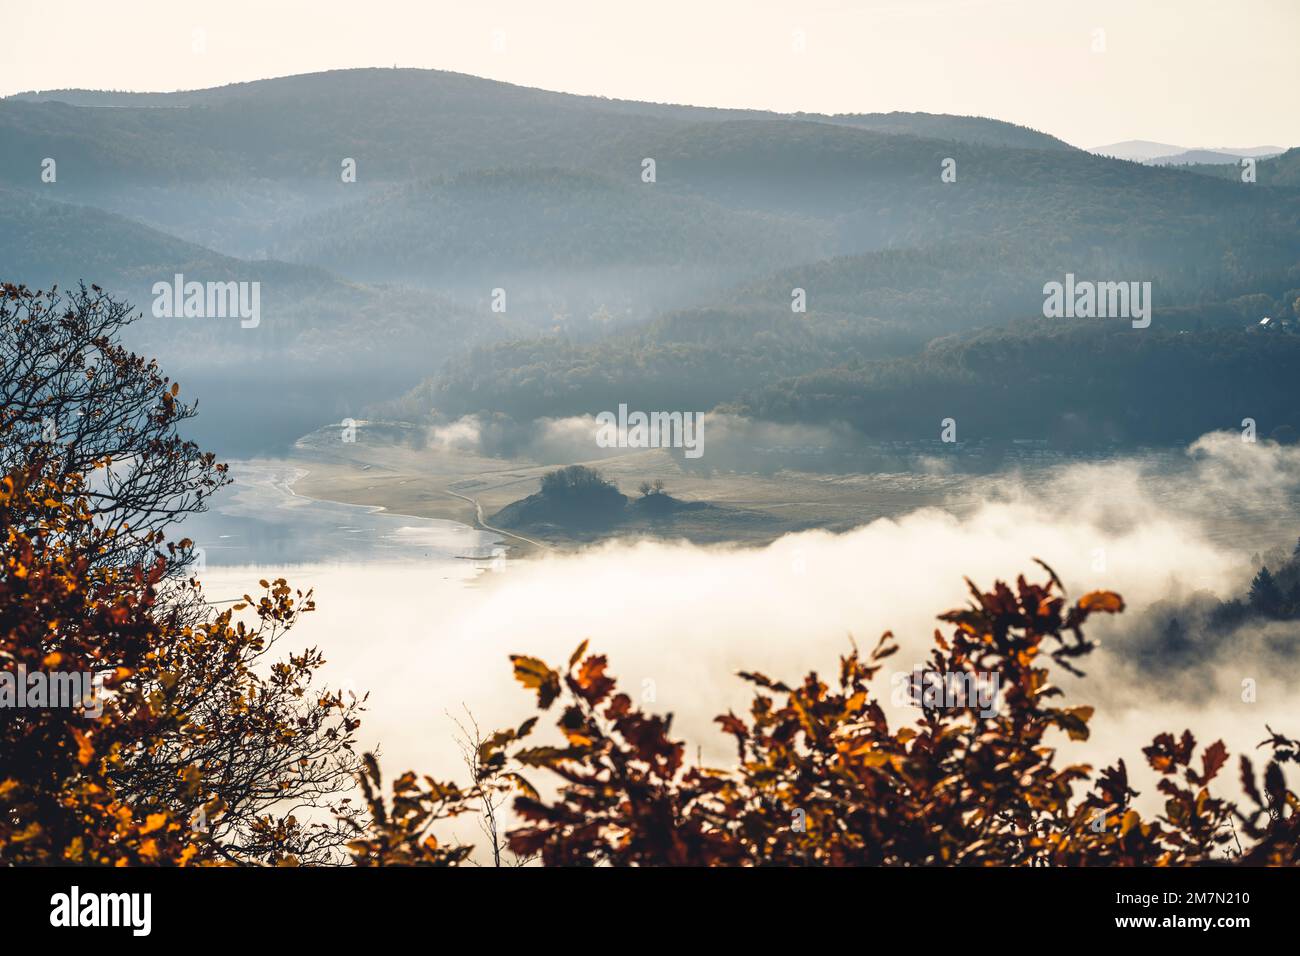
{"points": [[544, 192], [1074, 385], [1283, 170], [876, 311], [452, 244], [440, 120]]}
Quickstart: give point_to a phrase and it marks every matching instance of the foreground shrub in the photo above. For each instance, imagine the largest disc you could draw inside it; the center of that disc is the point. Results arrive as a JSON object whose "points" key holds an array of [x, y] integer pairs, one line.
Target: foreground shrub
{"points": [[821, 777]]}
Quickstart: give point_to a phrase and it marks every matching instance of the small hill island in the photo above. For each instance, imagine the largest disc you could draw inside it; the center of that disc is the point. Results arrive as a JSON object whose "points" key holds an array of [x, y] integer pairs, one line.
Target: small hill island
{"points": [[578, 499]]}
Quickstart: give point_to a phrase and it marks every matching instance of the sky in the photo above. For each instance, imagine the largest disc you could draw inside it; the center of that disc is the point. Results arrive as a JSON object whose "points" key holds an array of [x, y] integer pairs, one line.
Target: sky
{"points": [[1185, 72]]}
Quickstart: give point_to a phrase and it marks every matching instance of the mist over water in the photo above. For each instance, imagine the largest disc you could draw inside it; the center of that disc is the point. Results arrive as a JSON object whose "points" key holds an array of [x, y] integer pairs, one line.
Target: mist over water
{"points": [[406, 612], [260, 521]]}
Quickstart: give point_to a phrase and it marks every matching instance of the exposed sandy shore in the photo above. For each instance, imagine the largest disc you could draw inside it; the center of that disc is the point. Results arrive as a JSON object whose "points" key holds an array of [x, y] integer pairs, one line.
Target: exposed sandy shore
{"points": [[414, 481], [385, 467]]}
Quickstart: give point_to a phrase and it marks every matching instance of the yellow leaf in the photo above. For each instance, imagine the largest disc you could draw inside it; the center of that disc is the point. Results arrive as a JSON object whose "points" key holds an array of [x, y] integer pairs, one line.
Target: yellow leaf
{"points": [[530, 671], [577, 655], [523, 785], [535, 675]]}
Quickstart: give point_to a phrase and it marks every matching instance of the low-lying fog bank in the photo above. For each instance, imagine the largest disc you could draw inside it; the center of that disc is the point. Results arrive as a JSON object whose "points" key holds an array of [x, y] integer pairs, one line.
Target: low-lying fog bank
{"points": [[678, 620]]}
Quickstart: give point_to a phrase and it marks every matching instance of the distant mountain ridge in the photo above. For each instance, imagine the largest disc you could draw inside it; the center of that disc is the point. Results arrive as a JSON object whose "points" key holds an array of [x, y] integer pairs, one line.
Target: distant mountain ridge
{"points": [[354, 82], [1279, 171], [479, 184], [1167, 154]]}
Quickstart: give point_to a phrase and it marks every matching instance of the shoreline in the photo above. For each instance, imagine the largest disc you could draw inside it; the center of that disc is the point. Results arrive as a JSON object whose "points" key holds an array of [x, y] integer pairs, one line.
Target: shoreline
{"points": [[748, 509], [511, 542]]}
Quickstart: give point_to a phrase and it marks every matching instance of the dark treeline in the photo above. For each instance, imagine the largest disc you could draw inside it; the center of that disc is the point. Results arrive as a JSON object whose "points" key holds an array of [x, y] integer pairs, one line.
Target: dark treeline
{"points": [[1075, 386], [1251, 629], [1283, 170], [1083, 382]]}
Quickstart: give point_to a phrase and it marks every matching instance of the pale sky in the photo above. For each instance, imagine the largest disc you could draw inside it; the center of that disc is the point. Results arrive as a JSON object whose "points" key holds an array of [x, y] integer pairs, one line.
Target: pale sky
{"points": [[1187, 72]]}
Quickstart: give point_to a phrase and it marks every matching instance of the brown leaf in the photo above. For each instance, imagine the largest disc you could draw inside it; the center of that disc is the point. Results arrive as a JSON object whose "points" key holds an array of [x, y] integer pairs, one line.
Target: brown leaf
{"points": [[1212, 760], [535, 675]]}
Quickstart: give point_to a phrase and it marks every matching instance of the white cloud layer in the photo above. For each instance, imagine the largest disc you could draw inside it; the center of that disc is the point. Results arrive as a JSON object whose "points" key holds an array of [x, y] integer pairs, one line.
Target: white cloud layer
{"points": [[678, 620]]}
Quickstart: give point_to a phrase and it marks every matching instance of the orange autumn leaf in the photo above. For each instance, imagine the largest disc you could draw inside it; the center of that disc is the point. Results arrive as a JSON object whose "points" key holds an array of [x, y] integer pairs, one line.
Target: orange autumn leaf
{"points": [[85, 751], [1106, 601]]}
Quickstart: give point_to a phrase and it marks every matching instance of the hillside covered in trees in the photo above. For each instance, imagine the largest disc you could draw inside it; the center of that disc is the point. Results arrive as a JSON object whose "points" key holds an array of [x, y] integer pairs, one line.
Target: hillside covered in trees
{"points": [[508, 250]]}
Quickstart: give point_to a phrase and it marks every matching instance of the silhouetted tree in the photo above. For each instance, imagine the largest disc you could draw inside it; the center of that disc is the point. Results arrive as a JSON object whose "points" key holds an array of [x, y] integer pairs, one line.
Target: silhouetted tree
{"points": [[1265, 596], [204, 731], [574, 482], [74, 397], [1175, 637]]}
